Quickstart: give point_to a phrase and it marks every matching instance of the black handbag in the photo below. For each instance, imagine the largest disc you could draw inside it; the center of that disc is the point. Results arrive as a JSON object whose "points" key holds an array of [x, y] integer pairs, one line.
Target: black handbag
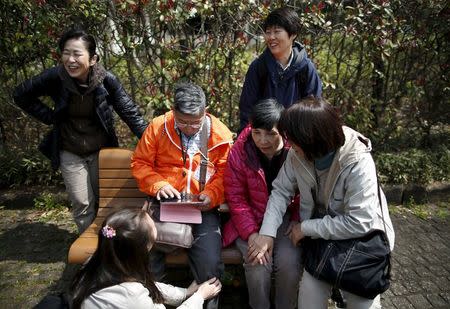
{"points": [[361, 266]]}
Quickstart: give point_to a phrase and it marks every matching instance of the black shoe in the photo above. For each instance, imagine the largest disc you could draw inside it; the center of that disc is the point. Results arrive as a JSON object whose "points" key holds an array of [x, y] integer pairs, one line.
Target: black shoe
{"points": [[338, 298]]}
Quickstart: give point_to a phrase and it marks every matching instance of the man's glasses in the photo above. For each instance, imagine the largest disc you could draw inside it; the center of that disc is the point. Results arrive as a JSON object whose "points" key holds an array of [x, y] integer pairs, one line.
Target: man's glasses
{"points": [[183, 125]]}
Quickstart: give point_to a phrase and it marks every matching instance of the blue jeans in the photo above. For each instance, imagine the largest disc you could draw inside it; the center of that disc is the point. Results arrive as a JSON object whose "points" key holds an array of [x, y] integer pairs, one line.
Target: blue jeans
{"points": [[204, 255]]}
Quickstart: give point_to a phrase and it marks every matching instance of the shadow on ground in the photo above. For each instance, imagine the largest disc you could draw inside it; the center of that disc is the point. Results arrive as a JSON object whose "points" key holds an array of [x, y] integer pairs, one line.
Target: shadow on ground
{"points": [[30, 242], [23, 197]]}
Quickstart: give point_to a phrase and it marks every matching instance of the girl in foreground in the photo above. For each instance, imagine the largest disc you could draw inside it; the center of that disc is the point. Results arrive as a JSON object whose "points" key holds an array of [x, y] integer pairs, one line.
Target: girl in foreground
{"points": [[118, 274]]}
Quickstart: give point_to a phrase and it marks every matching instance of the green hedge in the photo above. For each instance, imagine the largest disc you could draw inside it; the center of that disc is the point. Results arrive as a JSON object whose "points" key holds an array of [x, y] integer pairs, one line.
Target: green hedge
{"points": [[414, 166]]}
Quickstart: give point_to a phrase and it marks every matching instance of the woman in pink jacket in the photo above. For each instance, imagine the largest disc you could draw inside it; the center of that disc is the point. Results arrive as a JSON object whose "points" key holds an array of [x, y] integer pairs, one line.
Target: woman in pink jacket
{"points": [[253, 163]]}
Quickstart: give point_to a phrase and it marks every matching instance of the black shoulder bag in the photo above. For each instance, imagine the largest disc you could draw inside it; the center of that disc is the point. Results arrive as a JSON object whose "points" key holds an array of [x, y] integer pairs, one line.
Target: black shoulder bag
{"points": [[360, 265]]}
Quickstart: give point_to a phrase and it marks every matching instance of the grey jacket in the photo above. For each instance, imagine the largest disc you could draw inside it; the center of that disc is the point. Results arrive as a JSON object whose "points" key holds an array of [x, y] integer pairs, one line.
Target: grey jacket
{"points": [[351, 191]]}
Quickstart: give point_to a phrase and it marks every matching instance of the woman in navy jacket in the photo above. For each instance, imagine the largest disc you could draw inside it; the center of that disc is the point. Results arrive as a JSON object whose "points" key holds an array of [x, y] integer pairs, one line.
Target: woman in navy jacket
{"points": [[283, 71], [84, 95]]}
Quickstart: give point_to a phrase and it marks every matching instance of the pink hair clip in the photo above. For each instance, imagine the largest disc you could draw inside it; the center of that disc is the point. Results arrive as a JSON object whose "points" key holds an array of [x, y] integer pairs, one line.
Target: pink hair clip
{"points": [[108, 231]]}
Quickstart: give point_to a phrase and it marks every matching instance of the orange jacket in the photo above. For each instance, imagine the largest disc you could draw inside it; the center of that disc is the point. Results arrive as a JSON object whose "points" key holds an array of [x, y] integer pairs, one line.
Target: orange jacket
{"points": [[158, 161]]}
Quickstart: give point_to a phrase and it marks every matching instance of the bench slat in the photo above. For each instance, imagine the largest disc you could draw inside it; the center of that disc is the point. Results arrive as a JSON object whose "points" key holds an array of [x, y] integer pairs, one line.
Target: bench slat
{"points": [[84, 247], [121, 201], [121, 192], [117, 183], [115, 157], [114, 173]]}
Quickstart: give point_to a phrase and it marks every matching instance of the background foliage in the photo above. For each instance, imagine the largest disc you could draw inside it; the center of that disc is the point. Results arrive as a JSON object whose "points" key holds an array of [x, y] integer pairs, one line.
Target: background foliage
{"points": [[384, 63]]}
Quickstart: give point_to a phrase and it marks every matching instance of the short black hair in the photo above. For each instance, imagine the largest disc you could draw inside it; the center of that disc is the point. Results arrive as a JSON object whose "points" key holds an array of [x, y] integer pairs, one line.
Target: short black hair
{"points": [[313, 125], [266, 114], [77, 32], [285, 18], [189, 99]]}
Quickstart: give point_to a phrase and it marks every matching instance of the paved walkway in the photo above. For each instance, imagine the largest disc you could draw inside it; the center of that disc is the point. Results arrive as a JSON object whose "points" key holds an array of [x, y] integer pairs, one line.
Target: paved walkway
{"points": [[34, 244], [421, 264]]}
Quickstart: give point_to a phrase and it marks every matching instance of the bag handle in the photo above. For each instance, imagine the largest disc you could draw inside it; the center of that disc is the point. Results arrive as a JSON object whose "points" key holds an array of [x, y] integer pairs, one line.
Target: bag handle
{"points": [[203, 154]]}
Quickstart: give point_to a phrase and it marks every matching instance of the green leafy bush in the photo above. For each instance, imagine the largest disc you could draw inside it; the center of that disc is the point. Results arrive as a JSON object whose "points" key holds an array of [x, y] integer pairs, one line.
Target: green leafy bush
{"points": [[49, 201], [414, 166], [365, 52], [20, 168]]}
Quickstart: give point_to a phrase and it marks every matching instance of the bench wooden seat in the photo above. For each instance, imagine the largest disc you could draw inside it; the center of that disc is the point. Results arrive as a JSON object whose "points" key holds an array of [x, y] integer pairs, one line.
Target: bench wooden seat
{"points": [[117, 188]]}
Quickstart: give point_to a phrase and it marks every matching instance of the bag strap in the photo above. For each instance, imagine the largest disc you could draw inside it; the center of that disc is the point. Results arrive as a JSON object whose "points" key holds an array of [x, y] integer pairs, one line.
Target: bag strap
{"points": [[381, 206], [389, 266], [203, 154]]}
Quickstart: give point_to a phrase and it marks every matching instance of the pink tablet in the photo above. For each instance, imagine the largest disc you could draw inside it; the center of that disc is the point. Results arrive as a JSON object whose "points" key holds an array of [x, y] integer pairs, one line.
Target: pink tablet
{"points": [[180, 212]]}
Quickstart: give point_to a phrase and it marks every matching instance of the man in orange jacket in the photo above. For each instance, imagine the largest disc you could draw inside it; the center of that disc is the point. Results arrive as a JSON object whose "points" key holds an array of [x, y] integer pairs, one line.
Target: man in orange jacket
{"points": [[169, 146]]}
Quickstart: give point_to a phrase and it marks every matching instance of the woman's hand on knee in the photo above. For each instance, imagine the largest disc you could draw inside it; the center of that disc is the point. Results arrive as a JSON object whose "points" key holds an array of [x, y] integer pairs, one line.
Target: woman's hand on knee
{"points": [[260, 250], [296, 234], [193, 287], [290, 227], [209, 288]]}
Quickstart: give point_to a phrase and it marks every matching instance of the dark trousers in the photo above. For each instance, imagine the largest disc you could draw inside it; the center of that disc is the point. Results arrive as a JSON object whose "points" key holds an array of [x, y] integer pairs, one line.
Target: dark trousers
{"points": [[204, 255]]}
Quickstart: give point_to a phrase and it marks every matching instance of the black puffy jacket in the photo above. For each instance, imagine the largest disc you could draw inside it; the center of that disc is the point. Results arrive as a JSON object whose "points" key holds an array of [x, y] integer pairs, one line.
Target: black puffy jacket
{"points": [[109, 95]]}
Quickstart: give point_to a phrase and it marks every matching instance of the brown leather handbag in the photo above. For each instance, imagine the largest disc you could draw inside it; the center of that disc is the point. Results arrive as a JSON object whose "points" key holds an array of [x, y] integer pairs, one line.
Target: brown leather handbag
{"points": [[171, 235]]}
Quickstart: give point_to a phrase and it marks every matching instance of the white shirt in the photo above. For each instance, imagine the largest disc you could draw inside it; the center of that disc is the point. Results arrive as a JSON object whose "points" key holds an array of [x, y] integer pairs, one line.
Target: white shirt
{"points": [[134, 295]]}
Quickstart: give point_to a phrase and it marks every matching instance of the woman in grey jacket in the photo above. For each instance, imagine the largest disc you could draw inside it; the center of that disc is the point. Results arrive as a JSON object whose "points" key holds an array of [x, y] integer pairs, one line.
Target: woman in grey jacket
{"points": [[331, 164]]}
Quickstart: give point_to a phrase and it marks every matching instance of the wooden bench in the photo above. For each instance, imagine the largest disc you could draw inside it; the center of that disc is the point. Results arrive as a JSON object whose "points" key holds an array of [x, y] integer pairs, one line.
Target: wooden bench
{"points": [[117, 188]]}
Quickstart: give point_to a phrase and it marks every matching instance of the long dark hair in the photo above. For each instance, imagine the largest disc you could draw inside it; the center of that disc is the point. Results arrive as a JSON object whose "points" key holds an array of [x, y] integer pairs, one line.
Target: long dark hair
{"points": [[313, 125], [121, 258]]}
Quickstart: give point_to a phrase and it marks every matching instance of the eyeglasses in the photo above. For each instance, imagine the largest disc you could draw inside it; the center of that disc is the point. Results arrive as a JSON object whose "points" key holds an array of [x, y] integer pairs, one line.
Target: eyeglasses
{"points": [[195, 125]]}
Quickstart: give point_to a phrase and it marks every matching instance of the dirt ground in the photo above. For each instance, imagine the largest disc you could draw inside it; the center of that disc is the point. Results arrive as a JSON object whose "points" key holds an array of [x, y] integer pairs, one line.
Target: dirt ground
{"points": [[34, 245], [33, 253]]}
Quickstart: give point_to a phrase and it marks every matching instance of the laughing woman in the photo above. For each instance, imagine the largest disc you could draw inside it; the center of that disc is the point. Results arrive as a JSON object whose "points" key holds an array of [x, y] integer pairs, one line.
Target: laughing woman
{"points": [[84, 95], [283, 71]]}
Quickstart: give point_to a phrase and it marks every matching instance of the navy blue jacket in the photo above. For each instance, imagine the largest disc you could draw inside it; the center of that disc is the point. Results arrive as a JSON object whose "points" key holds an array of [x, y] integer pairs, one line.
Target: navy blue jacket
{"points": [[108, 95], [279, 84]]}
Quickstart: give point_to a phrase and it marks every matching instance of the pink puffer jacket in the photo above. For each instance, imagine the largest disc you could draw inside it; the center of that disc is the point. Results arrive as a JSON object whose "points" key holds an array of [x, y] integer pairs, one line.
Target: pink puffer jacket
{"points": [[246, 190]]}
